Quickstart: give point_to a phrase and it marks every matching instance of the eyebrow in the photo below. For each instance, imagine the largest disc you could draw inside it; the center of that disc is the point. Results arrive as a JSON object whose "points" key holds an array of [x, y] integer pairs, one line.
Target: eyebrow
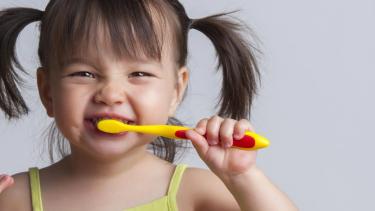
{"points": [[77, 60], [93, 63]]}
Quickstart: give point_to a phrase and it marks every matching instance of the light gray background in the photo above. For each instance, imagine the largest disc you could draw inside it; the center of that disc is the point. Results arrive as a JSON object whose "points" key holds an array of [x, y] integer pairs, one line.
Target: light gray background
{"points": [[315, 104]]}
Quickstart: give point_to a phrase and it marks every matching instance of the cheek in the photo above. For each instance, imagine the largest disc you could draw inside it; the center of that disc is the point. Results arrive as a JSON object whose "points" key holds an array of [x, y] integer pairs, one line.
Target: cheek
{"points": [[69, 105], [154, 104], [70, 99]]}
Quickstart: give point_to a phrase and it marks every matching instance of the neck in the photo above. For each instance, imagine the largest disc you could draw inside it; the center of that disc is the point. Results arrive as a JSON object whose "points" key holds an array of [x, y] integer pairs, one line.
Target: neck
{"points": [[83, 165]]}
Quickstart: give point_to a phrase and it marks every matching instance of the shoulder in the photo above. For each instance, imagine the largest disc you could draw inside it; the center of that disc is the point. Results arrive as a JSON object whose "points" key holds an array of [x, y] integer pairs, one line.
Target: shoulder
{"points": [[17, 197], [205, 191]]}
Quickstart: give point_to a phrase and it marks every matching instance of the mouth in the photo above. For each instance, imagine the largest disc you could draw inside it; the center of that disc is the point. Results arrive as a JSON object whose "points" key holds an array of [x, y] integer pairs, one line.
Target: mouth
{"points": [[92, 121], [96, 120]]}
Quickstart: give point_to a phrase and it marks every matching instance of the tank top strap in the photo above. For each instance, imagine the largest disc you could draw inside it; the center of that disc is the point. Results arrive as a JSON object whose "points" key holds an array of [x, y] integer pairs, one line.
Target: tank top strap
{"points": [[36, 194], [174, 185]]}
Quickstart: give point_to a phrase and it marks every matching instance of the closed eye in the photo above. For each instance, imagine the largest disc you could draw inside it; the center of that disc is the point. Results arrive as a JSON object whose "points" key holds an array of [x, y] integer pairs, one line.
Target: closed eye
{"points": [[83, 74], [91, 75], [140, 74]]}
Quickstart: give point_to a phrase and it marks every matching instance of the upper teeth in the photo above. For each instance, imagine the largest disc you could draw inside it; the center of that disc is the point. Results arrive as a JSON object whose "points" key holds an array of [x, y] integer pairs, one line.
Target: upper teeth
{"points": [[96, 120]]}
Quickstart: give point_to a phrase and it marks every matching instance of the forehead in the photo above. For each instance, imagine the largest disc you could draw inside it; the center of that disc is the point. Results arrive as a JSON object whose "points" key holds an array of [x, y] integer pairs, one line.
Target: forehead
{"points": [[101, 54]]}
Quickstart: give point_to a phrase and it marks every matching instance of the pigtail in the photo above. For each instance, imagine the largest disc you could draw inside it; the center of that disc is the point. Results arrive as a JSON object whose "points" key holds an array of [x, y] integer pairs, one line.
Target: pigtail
{"points": [[237, 61], [12, 21]]}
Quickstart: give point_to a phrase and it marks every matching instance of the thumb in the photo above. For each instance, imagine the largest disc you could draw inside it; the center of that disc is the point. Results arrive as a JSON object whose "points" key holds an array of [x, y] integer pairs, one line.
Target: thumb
{"points": [[5, 182], [198, 141]]}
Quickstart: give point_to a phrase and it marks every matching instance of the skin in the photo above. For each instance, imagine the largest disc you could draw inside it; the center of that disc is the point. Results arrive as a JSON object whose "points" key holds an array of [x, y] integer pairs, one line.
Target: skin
{"points": [[109, 171], [5, 182]]}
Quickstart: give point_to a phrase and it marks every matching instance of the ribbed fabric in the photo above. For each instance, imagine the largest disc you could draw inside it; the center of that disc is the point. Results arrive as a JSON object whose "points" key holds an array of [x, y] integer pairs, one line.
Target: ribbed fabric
{"points": [[166, 203], [36, 194]]}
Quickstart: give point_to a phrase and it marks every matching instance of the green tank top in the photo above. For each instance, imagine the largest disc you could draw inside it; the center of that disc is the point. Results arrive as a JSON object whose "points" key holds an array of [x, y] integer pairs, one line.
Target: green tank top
{"points": [[165, 203]]}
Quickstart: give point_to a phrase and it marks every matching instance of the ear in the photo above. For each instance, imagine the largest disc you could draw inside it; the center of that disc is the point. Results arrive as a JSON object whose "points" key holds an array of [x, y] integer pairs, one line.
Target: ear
{"points": [[44, 90], [182, 82]]}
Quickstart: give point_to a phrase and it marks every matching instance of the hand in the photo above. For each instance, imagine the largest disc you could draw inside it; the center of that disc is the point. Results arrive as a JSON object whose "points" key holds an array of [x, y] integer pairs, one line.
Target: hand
{"points": [[5, 182], [216, 151]]}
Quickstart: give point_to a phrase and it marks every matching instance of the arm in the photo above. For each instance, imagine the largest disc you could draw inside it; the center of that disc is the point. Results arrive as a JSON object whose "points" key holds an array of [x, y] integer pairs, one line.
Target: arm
{"points": [[253, 191]]}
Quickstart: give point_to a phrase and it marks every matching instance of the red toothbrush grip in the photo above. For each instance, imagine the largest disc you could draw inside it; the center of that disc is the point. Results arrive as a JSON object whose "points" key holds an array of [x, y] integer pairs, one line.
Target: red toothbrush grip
{"points": [[245, 142]]}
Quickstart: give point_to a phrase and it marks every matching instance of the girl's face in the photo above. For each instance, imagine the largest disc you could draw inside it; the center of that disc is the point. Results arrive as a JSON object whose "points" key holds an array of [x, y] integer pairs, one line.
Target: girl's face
{"points": [[142, 92]]}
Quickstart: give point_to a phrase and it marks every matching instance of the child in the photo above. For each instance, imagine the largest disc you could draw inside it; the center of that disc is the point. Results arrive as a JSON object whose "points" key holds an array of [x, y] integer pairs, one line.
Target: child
{"points": [[126, 59]]}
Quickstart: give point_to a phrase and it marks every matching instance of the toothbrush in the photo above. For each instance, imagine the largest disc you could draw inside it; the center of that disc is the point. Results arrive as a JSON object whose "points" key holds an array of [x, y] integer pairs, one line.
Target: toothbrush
{"points": [[251, 140]]}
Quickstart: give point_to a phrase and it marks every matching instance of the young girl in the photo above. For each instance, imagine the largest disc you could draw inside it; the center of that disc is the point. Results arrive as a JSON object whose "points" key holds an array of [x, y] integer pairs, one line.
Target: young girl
{"points": [[126, 59]]}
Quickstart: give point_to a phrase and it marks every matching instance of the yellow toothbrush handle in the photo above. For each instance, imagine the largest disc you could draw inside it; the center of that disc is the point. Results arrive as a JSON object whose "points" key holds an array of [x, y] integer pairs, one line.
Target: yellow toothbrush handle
{"points": [[168, 131], [114, 126], [251, 140]]}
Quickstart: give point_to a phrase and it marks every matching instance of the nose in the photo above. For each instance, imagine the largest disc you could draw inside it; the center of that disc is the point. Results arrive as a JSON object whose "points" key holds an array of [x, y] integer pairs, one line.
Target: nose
{"points": [[110, 93]]}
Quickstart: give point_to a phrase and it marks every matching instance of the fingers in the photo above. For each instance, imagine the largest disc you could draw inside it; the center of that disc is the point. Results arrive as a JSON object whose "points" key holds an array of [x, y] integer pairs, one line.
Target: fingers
{"points": [[240, 128], [213, 127], [226, 133], [218, 131], [5, 182]]}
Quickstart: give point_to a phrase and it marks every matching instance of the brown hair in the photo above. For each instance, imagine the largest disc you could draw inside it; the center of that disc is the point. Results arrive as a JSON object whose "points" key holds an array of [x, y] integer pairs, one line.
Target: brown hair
{"points": [[135, 29]]}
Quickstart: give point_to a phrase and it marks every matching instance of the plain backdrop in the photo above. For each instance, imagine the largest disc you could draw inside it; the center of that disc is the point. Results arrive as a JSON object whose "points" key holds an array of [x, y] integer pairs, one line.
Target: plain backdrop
{"points": [[315, 103]]}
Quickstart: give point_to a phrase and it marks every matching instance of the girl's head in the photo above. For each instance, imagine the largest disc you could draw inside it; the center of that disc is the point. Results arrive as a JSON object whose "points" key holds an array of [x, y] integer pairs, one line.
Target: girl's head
{"points": [[120, 57]]}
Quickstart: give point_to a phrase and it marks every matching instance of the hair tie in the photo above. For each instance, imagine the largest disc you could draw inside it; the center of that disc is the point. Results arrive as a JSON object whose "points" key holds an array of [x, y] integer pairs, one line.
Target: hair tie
{"points": [[190, 22], [42, 13]]}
